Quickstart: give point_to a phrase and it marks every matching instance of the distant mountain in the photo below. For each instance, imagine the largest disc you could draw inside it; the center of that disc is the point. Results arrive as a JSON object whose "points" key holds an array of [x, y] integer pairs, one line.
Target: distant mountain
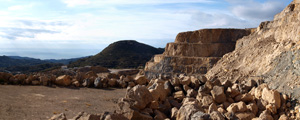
{"points": [[16, 64], [121, 54], [10, 61], [63, 61]]}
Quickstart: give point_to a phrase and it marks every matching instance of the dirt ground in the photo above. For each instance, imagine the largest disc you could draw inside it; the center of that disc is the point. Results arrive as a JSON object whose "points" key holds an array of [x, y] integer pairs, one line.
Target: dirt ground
{"points": [[40, 103]]}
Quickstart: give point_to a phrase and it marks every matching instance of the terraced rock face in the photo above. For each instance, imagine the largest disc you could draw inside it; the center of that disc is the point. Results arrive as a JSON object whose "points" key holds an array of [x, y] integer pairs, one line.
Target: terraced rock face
{"points": [[271, 53], [194, 52]]}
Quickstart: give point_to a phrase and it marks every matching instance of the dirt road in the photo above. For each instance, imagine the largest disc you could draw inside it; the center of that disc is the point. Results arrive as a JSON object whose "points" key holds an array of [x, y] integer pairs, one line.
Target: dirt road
{"points": [[40, 103]]}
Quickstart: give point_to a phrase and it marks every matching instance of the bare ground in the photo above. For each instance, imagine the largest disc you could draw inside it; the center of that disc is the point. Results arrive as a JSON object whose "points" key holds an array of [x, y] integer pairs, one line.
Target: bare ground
{"points": [[40, 103]]}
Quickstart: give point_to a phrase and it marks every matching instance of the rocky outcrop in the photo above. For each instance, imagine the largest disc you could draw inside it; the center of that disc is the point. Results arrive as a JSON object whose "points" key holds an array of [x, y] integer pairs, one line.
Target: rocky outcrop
{"points": [[194, 52], [270, 53]]}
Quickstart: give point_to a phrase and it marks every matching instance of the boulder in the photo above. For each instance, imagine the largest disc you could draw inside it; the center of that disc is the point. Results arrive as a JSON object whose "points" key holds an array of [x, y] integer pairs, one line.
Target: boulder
{"points": [[247, 97], [97, 83], [233, 91], [199, 116], [127, 78], [259, 89], [159, 115], [112, 82], [21, 78], [213, 107], [131, 84], [237, 107], [141, 80], [30, 78], [36, 82], [76, 83], [159, 93], [218, 94], [265, 115], [122, 83], [252, 107], [89, 82], [272, 97], [206, 100], [4, 77], [179, 95], [191, 93], [112, 75], [64, 80], [174, 111], [45, 80], [283, 117], [175, 81], [215, 115], [86, 116], [187, 111], [186, 80], [245, 116], [61, 116], [141, 96]]}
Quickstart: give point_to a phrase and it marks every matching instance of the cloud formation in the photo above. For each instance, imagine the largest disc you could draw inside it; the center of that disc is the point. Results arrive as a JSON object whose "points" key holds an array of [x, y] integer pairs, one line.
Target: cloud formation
{"points": [[14, 33], [255, 10]]}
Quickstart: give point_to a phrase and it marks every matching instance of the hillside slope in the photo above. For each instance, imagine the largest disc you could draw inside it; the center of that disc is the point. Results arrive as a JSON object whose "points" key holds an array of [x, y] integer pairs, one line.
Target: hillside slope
{"points": [[271, 54], [121, 54], [6, 61]]}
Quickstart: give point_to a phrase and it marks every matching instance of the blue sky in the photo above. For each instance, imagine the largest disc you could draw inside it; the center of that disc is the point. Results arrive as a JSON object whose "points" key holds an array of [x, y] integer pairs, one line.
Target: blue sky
{"points": [[75, 28]]}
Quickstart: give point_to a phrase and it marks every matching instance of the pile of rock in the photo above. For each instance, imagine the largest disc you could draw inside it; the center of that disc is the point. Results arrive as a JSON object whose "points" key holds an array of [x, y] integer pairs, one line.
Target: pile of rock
{"points": [[187, 98], [191, 98], [85, 77]]}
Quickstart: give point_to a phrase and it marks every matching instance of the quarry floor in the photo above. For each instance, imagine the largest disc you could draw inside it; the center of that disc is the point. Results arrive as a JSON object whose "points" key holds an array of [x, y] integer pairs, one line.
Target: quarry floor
{"points": [[41, 103]]}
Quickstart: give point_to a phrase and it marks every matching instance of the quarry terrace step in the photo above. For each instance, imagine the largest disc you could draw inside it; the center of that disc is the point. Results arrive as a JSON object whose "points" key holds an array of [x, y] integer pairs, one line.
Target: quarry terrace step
{"points": [[183, 60], [212, 36], [198, 50], [194, 52]]}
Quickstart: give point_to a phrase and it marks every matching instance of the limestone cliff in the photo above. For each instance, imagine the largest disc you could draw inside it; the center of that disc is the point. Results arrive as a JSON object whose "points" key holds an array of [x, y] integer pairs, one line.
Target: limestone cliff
{"points": [[272, 54], [194, 52]]}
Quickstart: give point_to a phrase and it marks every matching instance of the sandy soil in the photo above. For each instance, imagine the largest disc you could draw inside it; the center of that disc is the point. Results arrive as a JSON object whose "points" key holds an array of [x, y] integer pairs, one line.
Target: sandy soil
{"points": [[40, 103]]}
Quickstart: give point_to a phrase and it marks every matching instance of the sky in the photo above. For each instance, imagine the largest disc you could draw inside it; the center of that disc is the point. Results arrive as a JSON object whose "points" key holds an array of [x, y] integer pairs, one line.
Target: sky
{"points": [[56, 29]]}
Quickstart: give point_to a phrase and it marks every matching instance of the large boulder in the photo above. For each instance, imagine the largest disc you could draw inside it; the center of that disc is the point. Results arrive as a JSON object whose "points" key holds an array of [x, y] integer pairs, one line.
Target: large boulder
{"points": [[141, 80], [272, 97], [158, 90], [140, 95], [187, 111], [218, 94], [64, 80], [237, 107]]}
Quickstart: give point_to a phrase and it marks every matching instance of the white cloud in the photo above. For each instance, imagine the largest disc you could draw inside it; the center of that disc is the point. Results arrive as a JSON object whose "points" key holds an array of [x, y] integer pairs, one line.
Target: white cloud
{"points": [[73, 3], [20, 7], [220, 20], [249, 9]]}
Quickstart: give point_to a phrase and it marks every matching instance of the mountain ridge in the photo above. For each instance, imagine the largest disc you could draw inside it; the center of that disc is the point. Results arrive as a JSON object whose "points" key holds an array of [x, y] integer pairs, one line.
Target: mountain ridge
{"points": [[121, 54]]}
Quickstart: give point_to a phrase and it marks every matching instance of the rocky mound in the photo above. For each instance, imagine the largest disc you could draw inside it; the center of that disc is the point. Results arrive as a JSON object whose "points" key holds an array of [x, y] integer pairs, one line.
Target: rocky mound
{"points": [[191, 98], [121, 54], [271, 53], [194, 52]]}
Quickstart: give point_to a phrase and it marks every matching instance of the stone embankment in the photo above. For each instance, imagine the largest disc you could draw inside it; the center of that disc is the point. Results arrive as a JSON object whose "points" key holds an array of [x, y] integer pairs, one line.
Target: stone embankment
{"points": [[194, 52], [79, 77]]}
